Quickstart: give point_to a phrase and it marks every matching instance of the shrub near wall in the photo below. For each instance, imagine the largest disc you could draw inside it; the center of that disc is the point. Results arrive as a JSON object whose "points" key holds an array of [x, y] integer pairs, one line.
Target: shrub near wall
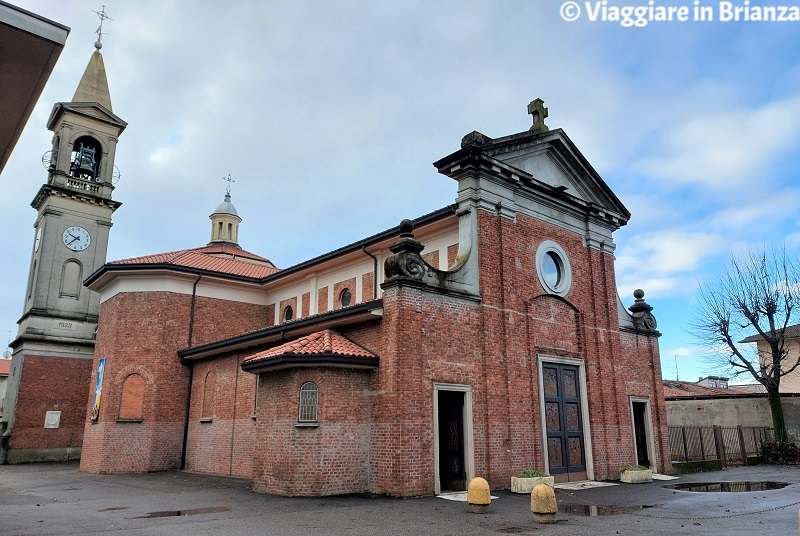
{"points": [[697, 466], [780, 452]]}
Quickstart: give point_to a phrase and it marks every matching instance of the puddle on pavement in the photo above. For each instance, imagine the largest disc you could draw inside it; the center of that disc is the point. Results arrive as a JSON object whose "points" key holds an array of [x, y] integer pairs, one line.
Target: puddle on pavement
{"points": [[732, 487], [179, 513], [594, 510]]}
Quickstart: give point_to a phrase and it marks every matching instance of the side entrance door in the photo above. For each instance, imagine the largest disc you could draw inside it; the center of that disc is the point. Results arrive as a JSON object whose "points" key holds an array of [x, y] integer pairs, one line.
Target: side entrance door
{"points": [[640, 432], [564, 422], [452, 467]]}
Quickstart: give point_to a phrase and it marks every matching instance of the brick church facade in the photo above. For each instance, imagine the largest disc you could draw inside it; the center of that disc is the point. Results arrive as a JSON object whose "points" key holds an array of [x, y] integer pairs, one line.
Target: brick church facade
{"points": [[479, 340]]}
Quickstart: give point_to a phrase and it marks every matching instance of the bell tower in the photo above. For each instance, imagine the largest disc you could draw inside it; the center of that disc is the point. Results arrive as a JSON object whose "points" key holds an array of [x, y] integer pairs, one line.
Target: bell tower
{"points": [[74, 215], [54, 347]]}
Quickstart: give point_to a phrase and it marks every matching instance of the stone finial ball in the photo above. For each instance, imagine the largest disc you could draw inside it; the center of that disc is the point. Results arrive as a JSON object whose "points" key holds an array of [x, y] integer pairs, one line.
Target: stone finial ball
{"points": [[98, 45], [478, 491], [406, 226], [638, 294]]}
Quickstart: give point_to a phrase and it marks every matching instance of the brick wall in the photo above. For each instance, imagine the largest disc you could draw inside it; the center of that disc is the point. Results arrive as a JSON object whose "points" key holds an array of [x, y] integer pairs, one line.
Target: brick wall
{"points": [[426, 338], [452, 253], [136, 336], [367, 287], [270, 314], [221, 442], [432, 258], [322, 300], [326, 459], [49, 383]]}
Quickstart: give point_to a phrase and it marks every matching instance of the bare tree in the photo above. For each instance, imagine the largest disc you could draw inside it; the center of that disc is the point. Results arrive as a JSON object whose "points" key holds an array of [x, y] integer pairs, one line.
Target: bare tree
{"points": [[756, 298]]}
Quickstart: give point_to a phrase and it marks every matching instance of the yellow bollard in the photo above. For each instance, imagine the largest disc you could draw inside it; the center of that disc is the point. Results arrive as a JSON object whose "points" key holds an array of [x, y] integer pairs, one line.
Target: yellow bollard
{"points": [[478, 495], [543, 504]]}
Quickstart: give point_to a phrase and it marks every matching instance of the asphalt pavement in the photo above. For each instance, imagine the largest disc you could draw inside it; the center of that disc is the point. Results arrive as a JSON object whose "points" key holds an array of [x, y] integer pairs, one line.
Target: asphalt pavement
{"points": [[58, 499]]}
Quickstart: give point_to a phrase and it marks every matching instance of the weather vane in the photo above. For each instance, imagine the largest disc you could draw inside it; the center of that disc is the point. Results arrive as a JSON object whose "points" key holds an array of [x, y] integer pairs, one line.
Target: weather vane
{"points": [[103, 16], [229, 180]]}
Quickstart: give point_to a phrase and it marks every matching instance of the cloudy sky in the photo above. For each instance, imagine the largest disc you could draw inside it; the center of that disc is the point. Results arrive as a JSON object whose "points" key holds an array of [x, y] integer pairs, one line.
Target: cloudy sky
{"points": [[328, 116]]}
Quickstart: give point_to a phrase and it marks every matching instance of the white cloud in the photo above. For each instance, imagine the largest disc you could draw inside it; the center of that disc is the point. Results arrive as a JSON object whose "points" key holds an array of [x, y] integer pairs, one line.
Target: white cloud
{"points": [[756, 208], [668, 252], [664, 263], [162, 156], [721, 150]]}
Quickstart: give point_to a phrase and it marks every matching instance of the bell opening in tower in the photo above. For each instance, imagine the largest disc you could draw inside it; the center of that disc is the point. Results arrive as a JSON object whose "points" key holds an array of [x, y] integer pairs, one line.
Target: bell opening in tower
{"points": [[85, 162]]}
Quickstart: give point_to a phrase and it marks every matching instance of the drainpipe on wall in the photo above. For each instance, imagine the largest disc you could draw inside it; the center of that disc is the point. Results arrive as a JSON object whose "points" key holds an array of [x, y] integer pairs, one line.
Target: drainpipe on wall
{"points": [[191, 375], [374, 272]]}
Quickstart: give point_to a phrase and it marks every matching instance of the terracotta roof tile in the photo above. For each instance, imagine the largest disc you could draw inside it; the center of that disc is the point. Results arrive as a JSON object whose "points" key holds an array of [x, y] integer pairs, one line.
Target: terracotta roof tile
{"points": [[5, 367], [676, 389], [324, 342], [221, 258]]}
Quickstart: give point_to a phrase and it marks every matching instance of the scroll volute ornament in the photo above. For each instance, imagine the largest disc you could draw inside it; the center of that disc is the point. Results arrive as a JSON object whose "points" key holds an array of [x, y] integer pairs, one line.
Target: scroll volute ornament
{"points": [[406, 263], [643, 318]]}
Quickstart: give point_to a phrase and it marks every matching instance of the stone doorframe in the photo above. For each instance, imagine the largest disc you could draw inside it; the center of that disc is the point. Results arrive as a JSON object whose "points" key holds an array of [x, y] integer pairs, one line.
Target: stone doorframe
{"points": [[587, 433], [469, 450], [648, 426]]}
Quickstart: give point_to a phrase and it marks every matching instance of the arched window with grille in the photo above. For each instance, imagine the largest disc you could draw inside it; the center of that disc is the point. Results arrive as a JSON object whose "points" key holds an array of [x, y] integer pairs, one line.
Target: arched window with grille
{"points": [[309, 402]]}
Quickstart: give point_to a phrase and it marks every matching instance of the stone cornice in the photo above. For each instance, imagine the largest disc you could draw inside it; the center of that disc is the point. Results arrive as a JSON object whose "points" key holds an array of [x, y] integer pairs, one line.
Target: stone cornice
{"points": [[48, 190]]}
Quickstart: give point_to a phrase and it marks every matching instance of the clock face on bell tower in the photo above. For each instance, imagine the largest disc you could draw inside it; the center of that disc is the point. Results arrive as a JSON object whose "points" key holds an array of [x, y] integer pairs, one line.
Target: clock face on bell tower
{"points": [[76, 238]]}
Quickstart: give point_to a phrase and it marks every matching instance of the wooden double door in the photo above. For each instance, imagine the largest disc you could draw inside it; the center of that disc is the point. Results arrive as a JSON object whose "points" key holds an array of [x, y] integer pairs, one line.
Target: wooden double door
{"points": [[563, 419]]}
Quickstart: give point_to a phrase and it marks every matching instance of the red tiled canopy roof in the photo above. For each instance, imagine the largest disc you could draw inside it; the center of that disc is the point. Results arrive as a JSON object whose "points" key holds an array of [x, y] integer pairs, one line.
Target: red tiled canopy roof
{"points": [[5, 367], [223, 258], [317, 349]]}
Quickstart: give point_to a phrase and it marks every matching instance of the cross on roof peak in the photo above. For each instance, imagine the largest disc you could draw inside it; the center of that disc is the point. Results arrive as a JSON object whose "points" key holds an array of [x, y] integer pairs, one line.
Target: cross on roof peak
{"points": [[537, 109]]}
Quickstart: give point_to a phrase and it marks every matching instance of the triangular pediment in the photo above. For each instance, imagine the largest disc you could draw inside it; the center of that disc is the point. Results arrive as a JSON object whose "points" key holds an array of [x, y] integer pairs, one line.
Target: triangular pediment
{"points": [[86, 109], [552, 159]]}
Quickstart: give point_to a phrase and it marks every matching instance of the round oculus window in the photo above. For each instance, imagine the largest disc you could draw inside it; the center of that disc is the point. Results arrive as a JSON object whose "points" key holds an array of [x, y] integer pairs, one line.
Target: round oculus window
{"points": [[553, 269], [288, 314], [345, 297]]}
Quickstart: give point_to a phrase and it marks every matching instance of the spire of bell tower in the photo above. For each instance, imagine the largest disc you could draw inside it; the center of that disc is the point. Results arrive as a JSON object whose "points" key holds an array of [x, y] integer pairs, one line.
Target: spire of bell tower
{"points": [[93, 86]]}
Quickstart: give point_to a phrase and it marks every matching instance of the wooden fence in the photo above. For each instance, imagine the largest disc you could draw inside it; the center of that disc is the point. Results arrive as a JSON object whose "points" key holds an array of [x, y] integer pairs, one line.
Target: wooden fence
{"points": [[731, 444]]}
